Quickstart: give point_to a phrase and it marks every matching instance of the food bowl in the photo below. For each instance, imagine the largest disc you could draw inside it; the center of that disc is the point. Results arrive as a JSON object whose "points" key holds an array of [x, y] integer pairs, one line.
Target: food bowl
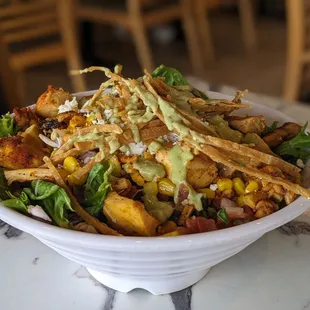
{"points": [[159, 265]]}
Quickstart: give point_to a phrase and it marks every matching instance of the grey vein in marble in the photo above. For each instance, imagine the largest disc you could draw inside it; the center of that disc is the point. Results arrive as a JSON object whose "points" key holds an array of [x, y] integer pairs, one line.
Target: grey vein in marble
{"points": [[110, 299], [182, 300], [11, 232], [295, 228]]}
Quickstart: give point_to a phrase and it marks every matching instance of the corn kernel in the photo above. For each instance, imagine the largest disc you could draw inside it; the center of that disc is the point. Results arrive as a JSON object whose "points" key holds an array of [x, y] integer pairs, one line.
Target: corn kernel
{"points": [[166, 187], [53, 153], [137, 178], [208, 193], [251, 187], [224, 183], [76, 121], [239, 201], [117, 166], [76, 181], [238, 186], [71, 164], [150, 188]]}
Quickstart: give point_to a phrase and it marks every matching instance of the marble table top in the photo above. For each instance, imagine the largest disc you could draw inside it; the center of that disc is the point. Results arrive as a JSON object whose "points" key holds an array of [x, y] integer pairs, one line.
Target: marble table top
{"points": [[273, 273]]}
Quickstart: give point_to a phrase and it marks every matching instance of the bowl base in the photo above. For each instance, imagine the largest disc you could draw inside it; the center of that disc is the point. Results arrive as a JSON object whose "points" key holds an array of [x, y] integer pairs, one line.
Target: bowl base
{"points": [[155, 285]]}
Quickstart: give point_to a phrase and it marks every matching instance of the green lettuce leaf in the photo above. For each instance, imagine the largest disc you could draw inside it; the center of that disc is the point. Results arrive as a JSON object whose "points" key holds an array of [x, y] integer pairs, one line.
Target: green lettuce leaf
{"points": [[19, 204], [97, 187], [7, 126], [172, 76], [53, 199], [3, 185], [271, 128], [298, 147]]}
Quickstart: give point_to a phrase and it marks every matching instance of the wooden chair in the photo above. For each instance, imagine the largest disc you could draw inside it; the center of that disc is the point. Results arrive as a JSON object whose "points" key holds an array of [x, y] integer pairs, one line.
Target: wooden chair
{"points": [[140, 15], [201, 8], [25, 21], [298, 55]]}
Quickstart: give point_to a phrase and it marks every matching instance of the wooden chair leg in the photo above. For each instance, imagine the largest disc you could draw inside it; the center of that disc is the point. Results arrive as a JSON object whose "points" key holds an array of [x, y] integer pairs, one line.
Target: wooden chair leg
{"points": [[247, 24], [67, 23], [295, 38], [192, 36], [203, 29], [139, 35], [9, 85]]}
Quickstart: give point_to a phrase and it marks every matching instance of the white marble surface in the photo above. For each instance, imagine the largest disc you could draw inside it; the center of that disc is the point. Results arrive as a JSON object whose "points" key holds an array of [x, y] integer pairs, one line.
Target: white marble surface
{"points": [[273, 273]]}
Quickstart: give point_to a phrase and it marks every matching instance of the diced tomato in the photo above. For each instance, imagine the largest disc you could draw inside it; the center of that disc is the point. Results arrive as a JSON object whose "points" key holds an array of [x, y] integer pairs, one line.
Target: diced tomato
{"points": [[200, 224]]}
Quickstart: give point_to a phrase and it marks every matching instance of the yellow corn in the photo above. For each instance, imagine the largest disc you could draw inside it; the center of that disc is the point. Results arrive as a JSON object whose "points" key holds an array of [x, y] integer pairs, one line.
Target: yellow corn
{"points": [[208, 193], [238, 186], [89, 119], [166, 187], [137, 178], [251, 187], [150, 188], [53, 153], [171, 234], [76, 121], [76, 181], [71, 164], [224, 183], [117, 166], [239, 201]]}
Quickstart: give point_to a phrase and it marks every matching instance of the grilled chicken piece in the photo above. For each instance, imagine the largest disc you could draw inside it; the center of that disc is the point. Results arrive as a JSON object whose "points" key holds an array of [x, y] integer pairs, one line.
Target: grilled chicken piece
{"points": [[201, 171], [26, 175], [50, 100], [25, 117], [248, 124], [286, 132], [24, 151]]}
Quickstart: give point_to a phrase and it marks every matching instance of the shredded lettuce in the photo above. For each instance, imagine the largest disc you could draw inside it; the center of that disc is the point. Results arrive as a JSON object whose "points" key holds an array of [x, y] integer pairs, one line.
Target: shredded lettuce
{"points": [[271, 128], [7, 126], [3, 185], [172, 76], [19, 204], [97, 187], [298, 147], [53, 199]]}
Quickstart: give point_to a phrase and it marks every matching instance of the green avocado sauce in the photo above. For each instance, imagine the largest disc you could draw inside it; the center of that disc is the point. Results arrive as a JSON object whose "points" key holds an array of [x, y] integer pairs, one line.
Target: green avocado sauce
{"points": [[179, 158], [150, 170]]}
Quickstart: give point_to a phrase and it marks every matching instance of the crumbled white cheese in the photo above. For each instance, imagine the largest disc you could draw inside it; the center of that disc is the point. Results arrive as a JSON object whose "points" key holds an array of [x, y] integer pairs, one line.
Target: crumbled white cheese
{"points": [[170, 137], [300, 163], [213, 187], [98, 121], [68, 106], [38, 211], [137, 148], [108, 113]]}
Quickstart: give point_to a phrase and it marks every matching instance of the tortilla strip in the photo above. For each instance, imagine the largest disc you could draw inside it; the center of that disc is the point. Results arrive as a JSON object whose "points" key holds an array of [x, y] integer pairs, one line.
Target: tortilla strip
{"points": [[108, 128], [59, 158], [85, 145], [219, 157], [99, 226], [25, 175], [253, 154]]}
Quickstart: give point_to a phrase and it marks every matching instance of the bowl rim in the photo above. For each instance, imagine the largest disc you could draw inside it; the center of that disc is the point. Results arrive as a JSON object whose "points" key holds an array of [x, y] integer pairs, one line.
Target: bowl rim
{"points": [[245, 231]]}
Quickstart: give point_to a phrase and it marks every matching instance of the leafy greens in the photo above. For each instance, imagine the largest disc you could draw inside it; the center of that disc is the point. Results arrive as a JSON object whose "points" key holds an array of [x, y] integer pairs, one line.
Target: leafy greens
{"points": [[19, 204], [7, 125], [97, 187], [271, 128], [298, 147], [54, 200]]}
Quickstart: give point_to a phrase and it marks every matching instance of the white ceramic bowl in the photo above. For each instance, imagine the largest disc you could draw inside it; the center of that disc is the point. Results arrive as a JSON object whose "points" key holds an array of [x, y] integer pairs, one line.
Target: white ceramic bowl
{"points": [[159, 265]]}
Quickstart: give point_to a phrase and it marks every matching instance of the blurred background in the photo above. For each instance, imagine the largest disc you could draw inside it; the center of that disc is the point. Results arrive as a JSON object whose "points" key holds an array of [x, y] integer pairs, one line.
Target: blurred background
{"points": [[256, 44]]}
